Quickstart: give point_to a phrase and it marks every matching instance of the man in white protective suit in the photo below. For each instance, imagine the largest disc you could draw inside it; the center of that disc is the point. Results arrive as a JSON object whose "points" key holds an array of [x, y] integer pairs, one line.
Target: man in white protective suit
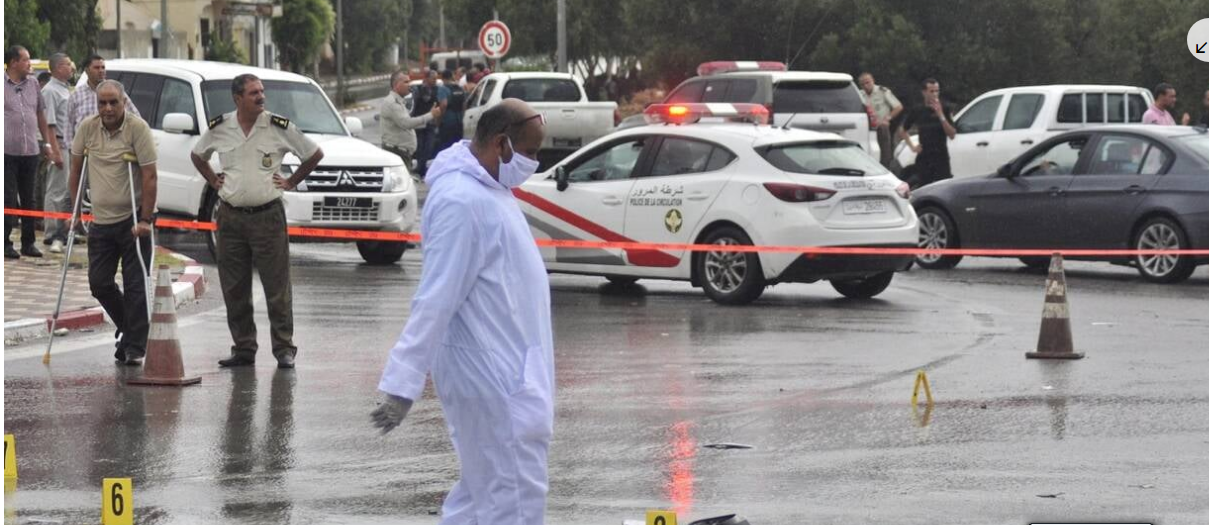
{"points": [[480, 322]]}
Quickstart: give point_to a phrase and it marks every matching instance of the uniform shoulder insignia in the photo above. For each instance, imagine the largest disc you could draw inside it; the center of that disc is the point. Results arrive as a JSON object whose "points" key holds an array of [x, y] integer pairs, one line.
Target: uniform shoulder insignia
{"points": [[215, 121], [281, 122]]}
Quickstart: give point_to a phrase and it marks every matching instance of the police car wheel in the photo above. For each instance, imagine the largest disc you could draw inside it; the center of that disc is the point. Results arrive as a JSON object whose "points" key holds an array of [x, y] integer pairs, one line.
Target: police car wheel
{"points": [[381, 252], [937, 231], [864, 288], [731, 278]]}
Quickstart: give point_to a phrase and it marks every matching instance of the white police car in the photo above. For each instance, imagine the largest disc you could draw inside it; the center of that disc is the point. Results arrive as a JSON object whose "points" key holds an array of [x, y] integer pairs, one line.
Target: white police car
{"points": [[696, 176]]}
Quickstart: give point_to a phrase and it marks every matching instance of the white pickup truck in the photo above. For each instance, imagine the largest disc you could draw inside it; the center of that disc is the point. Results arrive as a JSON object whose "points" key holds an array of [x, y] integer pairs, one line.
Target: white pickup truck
{"points": [[571, 121], [1002, 124]]}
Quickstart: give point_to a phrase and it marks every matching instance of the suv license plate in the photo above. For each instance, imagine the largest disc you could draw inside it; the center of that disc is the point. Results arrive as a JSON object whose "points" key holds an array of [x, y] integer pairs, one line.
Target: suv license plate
{"points": [[865, 207], [348, 202]]}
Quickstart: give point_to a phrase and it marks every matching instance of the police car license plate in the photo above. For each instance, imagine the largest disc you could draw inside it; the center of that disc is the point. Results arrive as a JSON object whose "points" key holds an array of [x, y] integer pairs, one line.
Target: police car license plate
{"points": [[348, 202], [865, 207]]}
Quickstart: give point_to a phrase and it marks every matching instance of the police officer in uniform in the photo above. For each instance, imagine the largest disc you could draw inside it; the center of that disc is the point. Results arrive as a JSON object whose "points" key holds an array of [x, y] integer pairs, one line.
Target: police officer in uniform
{"points": [[250, 143]]}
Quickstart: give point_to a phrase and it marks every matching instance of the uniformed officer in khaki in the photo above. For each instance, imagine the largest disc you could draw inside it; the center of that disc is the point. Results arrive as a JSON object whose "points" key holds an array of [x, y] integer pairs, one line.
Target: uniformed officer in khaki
{"points": [[250, 143]]}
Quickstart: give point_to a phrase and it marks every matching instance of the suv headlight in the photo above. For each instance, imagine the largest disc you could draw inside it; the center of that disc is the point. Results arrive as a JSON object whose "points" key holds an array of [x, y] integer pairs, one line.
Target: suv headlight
{"points": [[396, 180]]}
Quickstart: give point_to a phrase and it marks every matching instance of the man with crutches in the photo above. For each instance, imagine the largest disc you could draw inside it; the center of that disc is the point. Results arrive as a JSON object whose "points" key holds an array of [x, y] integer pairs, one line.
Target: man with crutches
{"points": [[123, 209]]}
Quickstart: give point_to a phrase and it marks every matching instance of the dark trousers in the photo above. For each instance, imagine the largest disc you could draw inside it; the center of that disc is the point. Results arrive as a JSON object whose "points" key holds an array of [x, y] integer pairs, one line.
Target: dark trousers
{"points": [[928, 169], [127, 306], [403, 154], [426, 139], [885, 141], [20, 178], [451, 133], [259, 241]]}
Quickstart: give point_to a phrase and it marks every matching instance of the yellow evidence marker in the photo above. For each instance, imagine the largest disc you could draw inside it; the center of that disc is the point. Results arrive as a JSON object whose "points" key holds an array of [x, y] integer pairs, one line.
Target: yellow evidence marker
{"points": [[117, 501], [660, 517], [10, 457], [921, 379]]}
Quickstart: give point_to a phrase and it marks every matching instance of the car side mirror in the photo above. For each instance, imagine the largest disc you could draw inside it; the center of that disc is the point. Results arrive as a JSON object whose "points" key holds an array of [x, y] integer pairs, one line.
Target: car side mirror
{"points": [[1005, 171], [561, 178], [178, 123], [354, 125]]}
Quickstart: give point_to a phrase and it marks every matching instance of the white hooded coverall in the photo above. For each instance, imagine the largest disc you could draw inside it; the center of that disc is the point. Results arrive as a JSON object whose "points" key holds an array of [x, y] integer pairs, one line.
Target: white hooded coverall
{"points": [[480, 321]]}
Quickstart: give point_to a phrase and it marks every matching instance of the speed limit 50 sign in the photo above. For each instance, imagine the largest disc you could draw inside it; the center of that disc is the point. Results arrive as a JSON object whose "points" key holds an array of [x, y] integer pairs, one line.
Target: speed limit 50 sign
{"points": [[495, 39]]}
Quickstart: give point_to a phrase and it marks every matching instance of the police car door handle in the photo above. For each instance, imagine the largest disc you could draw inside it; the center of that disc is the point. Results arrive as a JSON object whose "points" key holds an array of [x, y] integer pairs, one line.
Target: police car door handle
{"points": [[1027, 142], [983, 144], [697, 196], [1055, 191], [611, 201], [1135, 190]]}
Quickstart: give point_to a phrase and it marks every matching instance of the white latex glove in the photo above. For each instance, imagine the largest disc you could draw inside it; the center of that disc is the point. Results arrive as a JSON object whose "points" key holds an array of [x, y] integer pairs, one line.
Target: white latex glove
{"points": [[390, 413]]}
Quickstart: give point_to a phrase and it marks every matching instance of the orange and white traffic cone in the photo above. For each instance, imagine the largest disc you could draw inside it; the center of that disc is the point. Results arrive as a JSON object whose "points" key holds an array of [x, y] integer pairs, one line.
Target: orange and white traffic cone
{"points": [[163, 365], [1055, 341]]}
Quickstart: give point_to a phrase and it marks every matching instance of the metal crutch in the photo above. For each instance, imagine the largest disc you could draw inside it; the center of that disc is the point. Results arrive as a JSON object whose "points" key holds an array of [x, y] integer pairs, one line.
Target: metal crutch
{"points": [[148, 284], [71, 239]]}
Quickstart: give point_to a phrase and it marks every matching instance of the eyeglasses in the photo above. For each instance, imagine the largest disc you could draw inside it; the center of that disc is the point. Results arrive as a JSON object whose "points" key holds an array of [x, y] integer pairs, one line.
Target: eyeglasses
{"points": [[539, 116]]}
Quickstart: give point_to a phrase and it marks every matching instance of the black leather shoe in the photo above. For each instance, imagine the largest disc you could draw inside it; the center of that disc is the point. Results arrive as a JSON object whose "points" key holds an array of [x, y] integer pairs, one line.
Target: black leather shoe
{"points": [[285, 361], [10, 253], [236, 360], [30, 251], [134, 356]]}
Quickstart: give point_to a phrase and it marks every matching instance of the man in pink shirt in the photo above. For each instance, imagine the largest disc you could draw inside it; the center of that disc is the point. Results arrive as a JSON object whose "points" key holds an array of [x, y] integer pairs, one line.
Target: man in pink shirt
{"points": [[1164, 102]]}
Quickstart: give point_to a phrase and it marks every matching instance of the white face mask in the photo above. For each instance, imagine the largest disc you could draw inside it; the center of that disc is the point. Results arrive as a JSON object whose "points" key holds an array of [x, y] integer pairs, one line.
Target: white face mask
{"points": [[518, 170]]}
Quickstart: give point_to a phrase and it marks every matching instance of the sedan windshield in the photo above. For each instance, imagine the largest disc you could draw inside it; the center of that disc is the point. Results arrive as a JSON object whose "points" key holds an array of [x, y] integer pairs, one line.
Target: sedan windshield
{"points": [[304, 104], [823, 158]]}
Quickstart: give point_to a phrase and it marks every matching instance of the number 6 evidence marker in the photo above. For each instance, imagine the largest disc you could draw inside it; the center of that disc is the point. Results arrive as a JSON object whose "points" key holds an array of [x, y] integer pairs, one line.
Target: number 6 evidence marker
{"points": [[117, 501]]}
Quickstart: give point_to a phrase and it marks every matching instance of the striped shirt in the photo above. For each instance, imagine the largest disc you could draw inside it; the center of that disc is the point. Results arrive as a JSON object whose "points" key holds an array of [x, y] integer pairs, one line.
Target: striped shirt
{"points": [[22, 103]]}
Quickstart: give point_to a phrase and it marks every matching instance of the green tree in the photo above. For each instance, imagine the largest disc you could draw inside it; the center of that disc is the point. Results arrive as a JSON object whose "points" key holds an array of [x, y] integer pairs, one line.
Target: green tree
{"points": [[302, 30], [22, 26], [75, 28], [371, 29], [225, 50]]}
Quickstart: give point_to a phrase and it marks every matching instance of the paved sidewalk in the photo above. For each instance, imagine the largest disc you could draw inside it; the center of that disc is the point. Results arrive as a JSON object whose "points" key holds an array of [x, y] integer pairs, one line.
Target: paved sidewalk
{"points": [[31, 286]]}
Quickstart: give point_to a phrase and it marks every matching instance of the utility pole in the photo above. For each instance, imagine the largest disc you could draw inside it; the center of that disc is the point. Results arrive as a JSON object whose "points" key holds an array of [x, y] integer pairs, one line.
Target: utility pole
{"points": [[340, 53], [119, 27], [562, 36], [164, 28], [441, 26]]}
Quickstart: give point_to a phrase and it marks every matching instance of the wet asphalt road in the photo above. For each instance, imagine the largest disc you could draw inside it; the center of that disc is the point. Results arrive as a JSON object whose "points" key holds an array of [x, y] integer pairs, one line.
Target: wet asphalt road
{"points": [[647, 376]]}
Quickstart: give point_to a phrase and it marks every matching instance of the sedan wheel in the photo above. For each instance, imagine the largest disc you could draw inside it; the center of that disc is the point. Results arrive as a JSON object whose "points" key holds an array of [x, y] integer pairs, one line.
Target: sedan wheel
{"points": [[936, 232], [1161, 233], [730, 277]]}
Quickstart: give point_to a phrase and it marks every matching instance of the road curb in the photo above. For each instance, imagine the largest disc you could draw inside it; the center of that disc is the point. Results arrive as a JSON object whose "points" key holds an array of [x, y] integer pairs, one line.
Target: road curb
{"points": [[189, 286]]}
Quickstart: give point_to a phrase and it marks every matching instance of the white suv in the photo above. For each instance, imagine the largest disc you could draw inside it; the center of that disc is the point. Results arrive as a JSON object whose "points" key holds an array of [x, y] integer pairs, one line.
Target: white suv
{"points": [[813, 100], [1000, 125], [358, 186]]}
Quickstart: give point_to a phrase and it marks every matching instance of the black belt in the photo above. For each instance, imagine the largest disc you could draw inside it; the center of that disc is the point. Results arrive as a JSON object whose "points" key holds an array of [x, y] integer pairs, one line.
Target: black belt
{"points": [[253, 209]]}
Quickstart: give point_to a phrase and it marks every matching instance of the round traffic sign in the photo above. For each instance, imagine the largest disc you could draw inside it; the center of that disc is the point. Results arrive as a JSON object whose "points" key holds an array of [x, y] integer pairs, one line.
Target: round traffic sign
{"points": [[495, 39]]}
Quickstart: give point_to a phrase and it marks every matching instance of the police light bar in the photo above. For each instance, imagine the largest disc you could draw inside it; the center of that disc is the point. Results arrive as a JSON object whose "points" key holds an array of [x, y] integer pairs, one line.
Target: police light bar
{"points": [[691, 113], [714, 68]]}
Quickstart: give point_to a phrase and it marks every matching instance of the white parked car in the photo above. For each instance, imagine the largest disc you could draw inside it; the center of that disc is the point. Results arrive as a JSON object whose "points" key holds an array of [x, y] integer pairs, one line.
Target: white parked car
{"points": [[571, 120], [710, 182], [358, 186], [1000, 125]]}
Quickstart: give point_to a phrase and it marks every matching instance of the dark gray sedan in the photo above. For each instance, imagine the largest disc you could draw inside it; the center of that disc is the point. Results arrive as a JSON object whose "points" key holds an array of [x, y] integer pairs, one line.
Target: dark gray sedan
{"points": [[1110, 187]]}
